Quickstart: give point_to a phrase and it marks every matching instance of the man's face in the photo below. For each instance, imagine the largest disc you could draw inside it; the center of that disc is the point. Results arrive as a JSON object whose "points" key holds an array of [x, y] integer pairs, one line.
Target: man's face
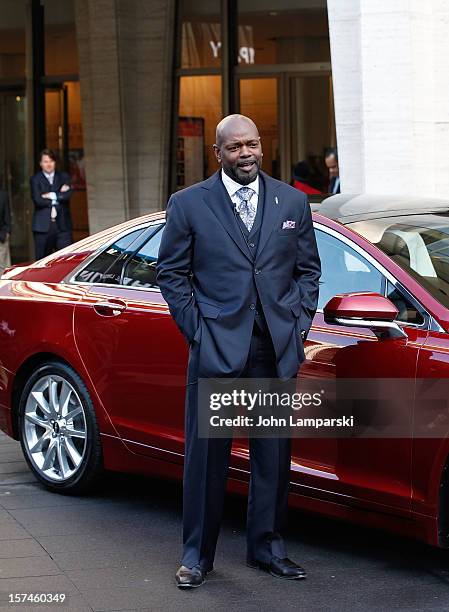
{"points": [[240, 151], [332, 165], [47, 164]]}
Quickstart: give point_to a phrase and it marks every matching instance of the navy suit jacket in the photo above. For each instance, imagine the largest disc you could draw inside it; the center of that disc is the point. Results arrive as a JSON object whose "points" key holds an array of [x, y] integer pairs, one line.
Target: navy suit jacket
{"points": [[205, 273], [39, 184]]}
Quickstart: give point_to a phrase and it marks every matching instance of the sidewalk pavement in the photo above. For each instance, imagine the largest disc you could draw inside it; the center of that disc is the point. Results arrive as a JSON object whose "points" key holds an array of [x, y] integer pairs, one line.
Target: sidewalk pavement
{"points": [[118, 549]]}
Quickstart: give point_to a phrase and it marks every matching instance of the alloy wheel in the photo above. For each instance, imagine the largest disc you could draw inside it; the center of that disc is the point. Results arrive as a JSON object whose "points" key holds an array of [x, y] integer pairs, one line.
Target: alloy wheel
{"points": [[55, 430]]}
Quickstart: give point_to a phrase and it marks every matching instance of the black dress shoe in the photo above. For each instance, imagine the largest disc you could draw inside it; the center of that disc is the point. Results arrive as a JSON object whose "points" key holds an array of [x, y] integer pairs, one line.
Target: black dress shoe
{"points": [[187, 577], [280, 568]]}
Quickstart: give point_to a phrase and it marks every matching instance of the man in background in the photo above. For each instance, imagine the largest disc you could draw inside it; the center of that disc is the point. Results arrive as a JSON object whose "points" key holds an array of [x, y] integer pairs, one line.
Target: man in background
{"points": [[5, 231], [331, 161], [50, 192]]}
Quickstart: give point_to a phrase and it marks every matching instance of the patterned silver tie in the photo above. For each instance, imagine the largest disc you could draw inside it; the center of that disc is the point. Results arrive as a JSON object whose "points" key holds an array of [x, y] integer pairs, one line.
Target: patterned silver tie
{"points": [[246, 209]]}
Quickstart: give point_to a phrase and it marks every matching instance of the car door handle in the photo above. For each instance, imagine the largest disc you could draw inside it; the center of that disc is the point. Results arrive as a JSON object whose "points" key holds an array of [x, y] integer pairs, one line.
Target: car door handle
{"points": [[109, 309]]}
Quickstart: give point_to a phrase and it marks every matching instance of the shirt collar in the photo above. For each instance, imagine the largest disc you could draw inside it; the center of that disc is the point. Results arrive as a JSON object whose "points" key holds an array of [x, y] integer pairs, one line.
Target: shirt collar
{"points": [[48, 174], [232, 186]]}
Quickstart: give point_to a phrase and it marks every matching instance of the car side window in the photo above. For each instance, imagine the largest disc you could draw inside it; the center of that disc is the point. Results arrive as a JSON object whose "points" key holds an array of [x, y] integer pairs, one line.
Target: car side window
{"points": [[343, 269], [408, 313], [106, 267], [140, 269]]}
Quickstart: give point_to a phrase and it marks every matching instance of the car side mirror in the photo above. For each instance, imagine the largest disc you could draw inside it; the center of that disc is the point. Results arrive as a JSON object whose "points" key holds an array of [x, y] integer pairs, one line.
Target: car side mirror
{"points": [[364, 309]]}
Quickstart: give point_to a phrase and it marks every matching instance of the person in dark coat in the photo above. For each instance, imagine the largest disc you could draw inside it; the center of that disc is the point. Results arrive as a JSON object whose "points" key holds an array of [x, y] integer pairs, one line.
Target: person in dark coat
{"points": [[5, 231], [331, 161], [50, 192]]}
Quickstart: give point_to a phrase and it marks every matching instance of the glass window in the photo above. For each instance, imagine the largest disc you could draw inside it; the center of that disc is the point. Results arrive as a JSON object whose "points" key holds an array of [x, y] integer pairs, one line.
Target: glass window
{"points": [[201, 33], [140, 269], [343, 269], [61, 50], [283, 32], [12, 39], [199, 113], [107, 266], [419, 243], [408, 313]]}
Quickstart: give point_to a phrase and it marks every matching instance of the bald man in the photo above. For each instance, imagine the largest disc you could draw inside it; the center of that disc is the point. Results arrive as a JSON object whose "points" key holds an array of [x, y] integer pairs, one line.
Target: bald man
{"points": [[239, 267]]}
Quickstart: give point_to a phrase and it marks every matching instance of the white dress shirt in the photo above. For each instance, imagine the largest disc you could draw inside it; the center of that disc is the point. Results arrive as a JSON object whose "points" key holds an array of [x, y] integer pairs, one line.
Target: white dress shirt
{"points": [[54, 199], [232, 187], [49, 176]]}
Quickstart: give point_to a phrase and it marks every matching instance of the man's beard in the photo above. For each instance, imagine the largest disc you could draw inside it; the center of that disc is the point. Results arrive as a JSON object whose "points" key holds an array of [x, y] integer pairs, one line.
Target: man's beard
{"points": [[242, 177]]}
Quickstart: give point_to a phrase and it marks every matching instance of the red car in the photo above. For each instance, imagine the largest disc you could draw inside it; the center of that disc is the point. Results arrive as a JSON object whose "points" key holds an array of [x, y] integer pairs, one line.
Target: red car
{"points": [[92, 366]]}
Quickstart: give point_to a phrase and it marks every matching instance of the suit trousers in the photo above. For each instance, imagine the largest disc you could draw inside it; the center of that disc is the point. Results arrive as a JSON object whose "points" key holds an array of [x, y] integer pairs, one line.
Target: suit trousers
{"points": [[53, 240], [206, 468]]}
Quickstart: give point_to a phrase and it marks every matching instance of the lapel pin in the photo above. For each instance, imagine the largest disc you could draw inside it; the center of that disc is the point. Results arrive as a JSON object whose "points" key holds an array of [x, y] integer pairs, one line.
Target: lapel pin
{"points": [[276, 199]]}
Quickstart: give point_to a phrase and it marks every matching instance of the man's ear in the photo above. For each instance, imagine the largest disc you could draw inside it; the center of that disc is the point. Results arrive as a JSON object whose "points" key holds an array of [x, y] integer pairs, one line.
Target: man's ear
{"points": [[217, 152]]}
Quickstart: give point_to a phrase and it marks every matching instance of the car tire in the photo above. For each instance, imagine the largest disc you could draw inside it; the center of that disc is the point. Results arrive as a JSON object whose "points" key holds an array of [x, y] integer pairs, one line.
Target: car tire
{"points": [[65, 455]]}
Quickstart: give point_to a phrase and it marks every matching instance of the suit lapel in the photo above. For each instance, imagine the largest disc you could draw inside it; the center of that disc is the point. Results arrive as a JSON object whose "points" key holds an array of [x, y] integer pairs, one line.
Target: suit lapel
{"points": [[56, 181], [217, 200], [47, 182], [272, 210]]}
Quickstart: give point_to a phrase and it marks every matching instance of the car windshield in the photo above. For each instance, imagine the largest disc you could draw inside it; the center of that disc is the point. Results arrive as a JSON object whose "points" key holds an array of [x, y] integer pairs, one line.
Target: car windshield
{"points": [[418, 243]]}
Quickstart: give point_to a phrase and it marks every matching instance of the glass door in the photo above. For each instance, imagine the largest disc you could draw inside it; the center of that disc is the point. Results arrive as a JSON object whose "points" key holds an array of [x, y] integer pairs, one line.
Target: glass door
{"points": [[56, 122], [295, 117], [259, 101], [13, 172], [64, 135], [309, 128]]}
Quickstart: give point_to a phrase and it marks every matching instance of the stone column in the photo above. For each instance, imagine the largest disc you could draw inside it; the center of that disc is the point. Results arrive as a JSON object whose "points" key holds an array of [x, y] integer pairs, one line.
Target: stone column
{"points": [[391, 88], [125, 67]]}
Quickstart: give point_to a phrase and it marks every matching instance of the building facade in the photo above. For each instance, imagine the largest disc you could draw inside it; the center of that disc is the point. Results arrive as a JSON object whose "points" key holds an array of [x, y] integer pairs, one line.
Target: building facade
{"points": [[128, 92]]}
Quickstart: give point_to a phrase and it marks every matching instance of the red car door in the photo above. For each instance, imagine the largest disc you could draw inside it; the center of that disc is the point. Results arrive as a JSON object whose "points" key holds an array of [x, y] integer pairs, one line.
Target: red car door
{"points": [[431, 443], [135, 355], [370, 472]]}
